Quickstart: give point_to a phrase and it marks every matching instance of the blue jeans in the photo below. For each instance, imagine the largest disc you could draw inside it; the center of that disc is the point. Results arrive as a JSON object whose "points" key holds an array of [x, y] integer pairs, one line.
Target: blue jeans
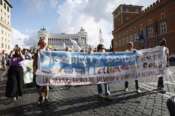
{"points": [[100, 89]]}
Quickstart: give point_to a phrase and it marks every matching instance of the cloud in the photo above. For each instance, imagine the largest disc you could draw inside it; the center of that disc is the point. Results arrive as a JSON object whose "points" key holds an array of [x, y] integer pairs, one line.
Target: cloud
{"points": [[18, 38], [35, 7], [93, 15], [23, 40], [74, 14]]}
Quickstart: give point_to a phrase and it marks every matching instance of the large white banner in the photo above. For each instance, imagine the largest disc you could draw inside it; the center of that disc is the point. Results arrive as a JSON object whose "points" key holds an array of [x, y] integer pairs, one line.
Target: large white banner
{"points": [[76, 68]]}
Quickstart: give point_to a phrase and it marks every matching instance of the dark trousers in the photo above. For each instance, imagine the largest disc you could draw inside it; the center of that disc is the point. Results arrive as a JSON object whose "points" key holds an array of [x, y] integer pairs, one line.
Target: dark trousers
{"points": [[160, 84], [136, 84], [15, 82], [100, 89]]}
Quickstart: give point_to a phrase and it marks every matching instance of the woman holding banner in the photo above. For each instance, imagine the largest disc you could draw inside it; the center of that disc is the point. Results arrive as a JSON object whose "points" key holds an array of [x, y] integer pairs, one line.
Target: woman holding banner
{"points": [[101, 48], [43, 91], [131, 48]]}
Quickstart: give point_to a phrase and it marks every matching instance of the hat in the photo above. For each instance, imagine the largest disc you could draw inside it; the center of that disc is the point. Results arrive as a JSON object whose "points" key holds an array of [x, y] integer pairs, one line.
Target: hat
{"points": [[100, 46]]}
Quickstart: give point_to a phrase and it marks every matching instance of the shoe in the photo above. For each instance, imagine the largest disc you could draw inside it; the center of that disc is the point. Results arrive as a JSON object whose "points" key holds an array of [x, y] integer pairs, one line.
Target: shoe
{"points": [[100, 95], [108, 93], [159, 88], [138, 91], [162, 90], [107, 98], [46, 100], [126, 90], [50, 87], [40, 100], [14, 98], [19, 97], [67, 87]]}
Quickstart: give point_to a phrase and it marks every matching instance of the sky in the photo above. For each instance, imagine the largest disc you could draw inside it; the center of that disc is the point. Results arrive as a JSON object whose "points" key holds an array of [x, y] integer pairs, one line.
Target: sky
{"points": [[65, 16]]}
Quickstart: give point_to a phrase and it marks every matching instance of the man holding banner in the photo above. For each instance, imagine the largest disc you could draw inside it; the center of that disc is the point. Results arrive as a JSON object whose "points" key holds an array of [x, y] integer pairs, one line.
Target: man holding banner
{"points": [[101, 48], [43, 91], [131, 48]]}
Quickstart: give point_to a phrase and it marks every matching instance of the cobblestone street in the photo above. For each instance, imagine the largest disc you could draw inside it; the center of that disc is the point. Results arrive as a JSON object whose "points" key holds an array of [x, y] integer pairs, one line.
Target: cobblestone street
{"points": [[82, 101]]}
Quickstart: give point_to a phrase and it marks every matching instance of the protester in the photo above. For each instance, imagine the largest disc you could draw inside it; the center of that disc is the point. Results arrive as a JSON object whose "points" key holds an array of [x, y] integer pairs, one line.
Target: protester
{"points": [[27, 54], [3, 60], [90, 50], [15, 81], [4, 64], [166, 50], [89, 67], [131, 48], [160, 85], [101, 48], [43, 91]]}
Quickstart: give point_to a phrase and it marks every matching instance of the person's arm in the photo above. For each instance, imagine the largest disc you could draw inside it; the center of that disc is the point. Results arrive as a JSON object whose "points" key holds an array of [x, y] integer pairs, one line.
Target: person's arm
{"points": [[22, 56], [11, 54], [167, 52], [34, 63]]}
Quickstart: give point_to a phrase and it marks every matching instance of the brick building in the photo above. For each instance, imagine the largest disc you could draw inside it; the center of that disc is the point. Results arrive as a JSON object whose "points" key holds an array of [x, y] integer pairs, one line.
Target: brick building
{"points": [[144, 27]]}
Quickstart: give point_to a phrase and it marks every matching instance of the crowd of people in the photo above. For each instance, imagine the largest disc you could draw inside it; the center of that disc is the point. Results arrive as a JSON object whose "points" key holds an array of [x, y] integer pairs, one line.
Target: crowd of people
{"points": [[15, 82]]}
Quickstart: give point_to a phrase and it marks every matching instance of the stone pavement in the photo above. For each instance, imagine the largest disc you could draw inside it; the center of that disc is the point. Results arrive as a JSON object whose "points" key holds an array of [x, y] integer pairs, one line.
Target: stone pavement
{"points": [[82, 101]]}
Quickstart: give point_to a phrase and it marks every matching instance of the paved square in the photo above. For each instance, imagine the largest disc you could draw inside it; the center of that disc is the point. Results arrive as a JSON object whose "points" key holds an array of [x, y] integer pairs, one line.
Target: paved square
{"points": [[83, 101]]}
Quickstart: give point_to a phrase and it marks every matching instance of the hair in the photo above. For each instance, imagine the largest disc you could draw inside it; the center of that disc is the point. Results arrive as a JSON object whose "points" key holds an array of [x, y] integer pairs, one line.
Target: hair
{"points": [[100, 46], [163, 42], [16, 52], [131, 43], [41, 42]]}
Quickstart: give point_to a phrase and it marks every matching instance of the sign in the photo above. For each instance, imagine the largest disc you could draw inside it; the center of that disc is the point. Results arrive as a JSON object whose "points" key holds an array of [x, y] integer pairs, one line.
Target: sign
{"points": [[28, 71], [77, 68]]}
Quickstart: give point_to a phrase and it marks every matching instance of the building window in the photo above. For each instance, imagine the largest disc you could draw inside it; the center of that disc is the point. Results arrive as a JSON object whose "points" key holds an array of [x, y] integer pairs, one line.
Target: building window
{"points": [[137, 10], [126, 10], [135, 37], [150, 31], [8, 9], [127, 18], [130, 38], [4, 5], [163, 27]]}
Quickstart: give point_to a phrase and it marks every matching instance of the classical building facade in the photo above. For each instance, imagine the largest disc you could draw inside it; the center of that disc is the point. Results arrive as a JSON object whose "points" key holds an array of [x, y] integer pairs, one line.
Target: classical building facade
{"points": [[5, 25], [146, 28], [77, 41]]}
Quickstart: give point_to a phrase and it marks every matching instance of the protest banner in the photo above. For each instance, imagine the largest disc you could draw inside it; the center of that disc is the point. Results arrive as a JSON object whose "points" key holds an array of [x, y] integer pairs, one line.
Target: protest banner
{"points": [[28, 71], [77, 68], [152, 63]]}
